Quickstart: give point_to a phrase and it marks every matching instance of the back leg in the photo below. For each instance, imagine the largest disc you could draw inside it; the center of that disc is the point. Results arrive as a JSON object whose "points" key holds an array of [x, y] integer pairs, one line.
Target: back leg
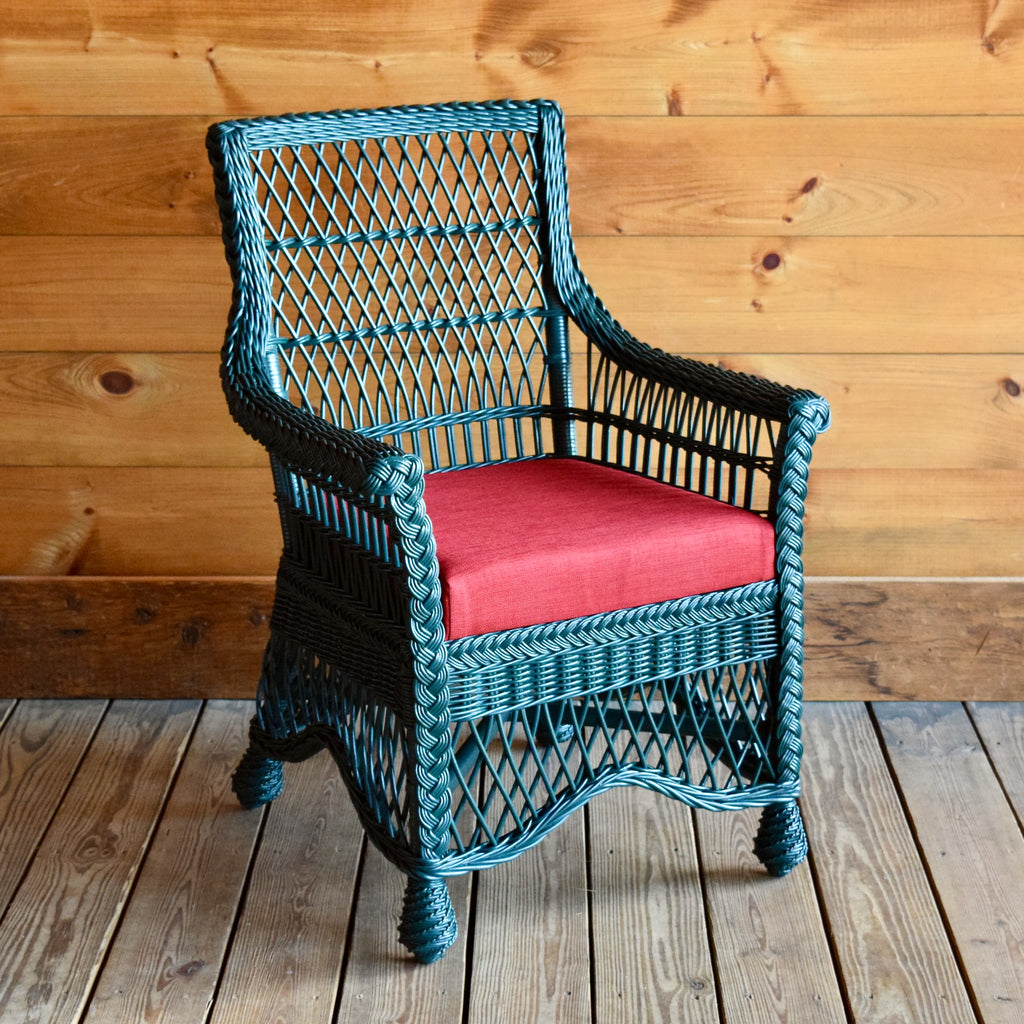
{"points": [[258, 779], [781, 843]]}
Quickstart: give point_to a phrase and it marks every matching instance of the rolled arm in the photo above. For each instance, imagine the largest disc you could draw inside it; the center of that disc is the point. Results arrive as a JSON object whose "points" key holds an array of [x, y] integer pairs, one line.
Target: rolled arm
{"points": [[331, 456], [740, 391]]}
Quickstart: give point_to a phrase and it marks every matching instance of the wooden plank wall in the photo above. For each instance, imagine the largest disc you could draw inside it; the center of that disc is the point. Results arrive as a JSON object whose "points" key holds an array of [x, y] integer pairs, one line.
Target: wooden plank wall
{"points": [[831, 194]]}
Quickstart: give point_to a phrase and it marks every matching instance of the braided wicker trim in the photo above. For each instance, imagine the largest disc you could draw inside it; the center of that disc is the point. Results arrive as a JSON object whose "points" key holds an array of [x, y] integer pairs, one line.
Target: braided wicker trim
{"points": [[503, 671], [303, 128]]}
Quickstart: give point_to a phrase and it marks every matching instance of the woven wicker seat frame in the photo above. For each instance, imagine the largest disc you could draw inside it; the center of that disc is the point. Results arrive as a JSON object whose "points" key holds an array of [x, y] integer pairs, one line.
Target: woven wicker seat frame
{"points": [[406, 299]]}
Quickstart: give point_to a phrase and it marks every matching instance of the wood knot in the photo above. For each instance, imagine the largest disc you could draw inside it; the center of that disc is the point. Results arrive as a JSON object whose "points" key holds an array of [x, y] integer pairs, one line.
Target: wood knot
{"points": [[771, 261], [117, 382], [540, 54], [1011, 387], [193, 631]]}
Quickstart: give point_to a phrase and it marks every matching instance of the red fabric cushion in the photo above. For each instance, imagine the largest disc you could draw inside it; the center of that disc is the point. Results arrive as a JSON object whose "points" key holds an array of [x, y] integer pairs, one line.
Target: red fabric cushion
{"points": [[523, 543]]}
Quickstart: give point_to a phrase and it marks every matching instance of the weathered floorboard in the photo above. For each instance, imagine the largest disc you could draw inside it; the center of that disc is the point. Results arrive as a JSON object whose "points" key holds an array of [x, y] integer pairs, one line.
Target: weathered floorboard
{"points": [[165, 962], [771, 954], [1001, 727], [888, 935], [285, 962], [902, 826], [41, 745], [648, 923], [58, 925], [530, 940], [382, 982], [972, 842]]}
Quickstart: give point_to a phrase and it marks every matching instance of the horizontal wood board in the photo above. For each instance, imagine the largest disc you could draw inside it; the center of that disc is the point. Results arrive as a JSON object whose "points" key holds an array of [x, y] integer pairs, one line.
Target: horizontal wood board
{"points": [[724, 176], [880, 639], [697, 295], [648, 57], [127, 521], [829, 194]]}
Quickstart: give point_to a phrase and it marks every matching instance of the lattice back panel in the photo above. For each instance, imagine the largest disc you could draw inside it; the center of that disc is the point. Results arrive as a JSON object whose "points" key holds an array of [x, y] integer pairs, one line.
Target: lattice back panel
{"points": [[406, 287]]}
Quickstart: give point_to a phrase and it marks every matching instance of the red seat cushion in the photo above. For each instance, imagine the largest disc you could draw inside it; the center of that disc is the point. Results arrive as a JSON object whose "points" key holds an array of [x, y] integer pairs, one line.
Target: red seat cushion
{"points": [[523, 543]]}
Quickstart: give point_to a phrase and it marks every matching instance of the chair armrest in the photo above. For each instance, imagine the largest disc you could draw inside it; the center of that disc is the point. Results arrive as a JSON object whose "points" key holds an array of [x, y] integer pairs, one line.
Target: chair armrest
{"points": [[329, 455], [739, 391]]}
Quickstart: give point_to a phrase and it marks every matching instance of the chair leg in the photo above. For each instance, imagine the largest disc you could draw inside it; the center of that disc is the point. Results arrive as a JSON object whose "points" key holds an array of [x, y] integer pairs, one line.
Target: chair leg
{"points": [[258, 779], [428, 926], [548, 733], [781, 843]]}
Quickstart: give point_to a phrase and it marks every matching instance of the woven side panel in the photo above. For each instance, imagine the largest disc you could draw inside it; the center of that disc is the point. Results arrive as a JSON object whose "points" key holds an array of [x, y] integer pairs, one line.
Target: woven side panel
{"points": [[701, 737], [504, 671]]}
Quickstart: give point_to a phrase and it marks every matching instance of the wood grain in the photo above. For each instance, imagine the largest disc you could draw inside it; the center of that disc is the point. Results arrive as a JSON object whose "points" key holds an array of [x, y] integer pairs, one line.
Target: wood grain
{"points": [[102, 521], [115, 176], [771, 952], [826, 295], [1001, 727], [133, 638], [285, 961], [162, 293], [650, 937], [914, 639], [647, 58], [862, 176], [124, 409], [530, 944], [145, 521], [41, 745], [168, 409], [908, 411], [63, 915], [867, 639], [165, 962], [914, 522], [380, 972], [968, 834], [797, 176], [114, 292], [890, 943]]}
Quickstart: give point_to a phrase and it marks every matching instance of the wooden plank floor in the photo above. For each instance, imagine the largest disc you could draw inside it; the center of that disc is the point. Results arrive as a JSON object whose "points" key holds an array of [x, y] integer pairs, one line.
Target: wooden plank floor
{"points": [[133, 889]]}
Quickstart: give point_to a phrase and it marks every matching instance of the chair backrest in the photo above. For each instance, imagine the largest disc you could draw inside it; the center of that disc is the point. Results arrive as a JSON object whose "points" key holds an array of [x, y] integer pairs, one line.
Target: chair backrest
{"points": [[397, 273]]}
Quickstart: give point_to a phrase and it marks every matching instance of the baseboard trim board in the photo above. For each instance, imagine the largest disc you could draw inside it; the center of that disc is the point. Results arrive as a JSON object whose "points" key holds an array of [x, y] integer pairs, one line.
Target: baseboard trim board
{"points": [[174, 637]]}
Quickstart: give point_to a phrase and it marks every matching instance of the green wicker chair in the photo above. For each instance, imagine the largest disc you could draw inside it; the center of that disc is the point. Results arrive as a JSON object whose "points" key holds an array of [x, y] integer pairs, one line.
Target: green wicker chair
{"points": [[497, 600]]}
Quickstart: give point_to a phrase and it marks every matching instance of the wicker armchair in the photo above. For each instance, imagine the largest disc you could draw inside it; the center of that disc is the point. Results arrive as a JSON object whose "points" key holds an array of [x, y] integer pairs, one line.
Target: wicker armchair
{"points": [[497, 600]]}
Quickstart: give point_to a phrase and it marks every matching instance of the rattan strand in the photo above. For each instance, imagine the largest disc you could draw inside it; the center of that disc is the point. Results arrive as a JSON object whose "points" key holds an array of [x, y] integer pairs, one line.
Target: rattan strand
{"points": [[404, 288]]}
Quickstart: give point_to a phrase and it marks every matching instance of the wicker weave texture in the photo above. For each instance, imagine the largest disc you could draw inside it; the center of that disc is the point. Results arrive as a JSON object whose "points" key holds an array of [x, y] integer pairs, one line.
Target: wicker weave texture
{"points": [[405, 298]]}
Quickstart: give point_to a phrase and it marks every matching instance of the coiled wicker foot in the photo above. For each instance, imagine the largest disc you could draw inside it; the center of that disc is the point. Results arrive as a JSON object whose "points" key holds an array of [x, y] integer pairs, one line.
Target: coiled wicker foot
{"points": [[257, 780], [428, 926], [781, 843]]}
